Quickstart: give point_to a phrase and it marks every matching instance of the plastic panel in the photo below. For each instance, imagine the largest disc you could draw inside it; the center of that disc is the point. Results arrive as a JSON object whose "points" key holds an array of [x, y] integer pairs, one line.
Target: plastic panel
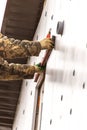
{"points": [[65, 89], [64, 102]]}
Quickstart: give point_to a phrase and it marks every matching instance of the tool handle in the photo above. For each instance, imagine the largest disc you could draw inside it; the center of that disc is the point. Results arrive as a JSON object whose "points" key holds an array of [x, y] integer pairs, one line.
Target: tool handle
{"points": [[46, 57]]}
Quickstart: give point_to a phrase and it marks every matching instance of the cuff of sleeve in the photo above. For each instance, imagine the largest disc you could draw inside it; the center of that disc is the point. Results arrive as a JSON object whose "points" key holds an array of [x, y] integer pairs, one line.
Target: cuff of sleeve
{"points": [[38, 46]]}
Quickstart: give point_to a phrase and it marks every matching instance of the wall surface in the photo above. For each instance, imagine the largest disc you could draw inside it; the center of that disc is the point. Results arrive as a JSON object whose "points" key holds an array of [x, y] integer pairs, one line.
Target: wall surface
{"points": [[65, 86]]}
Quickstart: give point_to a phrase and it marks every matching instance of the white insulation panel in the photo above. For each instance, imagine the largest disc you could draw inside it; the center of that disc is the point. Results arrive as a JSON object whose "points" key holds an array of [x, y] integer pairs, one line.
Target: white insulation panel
{"points": [[65, 86]]}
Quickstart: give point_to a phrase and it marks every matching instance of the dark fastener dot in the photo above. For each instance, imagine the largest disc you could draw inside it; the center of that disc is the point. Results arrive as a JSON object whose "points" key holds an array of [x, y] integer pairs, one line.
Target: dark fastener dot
{"points": [[71, 111], [83, 85], [73, 72], [31, 93], [26, 83], [23, 112], [52, 17], [61, 97], [50, 121], [46, 13]]}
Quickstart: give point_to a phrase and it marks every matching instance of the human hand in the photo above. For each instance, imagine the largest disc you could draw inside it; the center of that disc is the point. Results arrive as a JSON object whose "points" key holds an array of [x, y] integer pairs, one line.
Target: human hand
{"points": [[47, 43], [39, 68]]}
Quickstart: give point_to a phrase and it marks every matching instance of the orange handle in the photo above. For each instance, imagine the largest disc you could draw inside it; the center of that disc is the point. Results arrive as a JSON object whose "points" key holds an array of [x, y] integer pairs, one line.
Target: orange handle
{"points": [[45, 57]]}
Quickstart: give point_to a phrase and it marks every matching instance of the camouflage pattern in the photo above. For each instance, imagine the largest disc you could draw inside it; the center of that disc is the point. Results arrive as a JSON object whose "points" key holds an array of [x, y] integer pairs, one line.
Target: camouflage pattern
{"points": [[13, 48], [15, 71]]}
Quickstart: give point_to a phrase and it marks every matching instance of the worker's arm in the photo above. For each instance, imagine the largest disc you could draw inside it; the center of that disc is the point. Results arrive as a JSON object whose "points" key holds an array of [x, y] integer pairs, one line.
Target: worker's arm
{"points": [[13, 48], [17, 71]]}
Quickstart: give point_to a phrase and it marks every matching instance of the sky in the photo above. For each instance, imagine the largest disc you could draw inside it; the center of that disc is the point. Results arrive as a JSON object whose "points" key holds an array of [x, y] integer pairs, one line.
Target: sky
{"points": [[2, 9]]}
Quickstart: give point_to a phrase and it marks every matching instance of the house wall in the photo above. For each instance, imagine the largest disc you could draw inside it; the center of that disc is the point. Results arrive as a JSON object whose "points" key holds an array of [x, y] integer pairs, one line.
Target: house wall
{"points": [[65, 86]]}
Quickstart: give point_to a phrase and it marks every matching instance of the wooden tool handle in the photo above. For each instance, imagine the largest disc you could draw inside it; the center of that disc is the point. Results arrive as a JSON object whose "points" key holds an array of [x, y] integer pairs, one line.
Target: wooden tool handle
{"points": [[46, 57]]}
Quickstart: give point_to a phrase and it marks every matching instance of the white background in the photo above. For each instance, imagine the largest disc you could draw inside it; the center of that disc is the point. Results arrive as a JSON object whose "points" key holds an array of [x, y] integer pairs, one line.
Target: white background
{"points": [[2, 9]]}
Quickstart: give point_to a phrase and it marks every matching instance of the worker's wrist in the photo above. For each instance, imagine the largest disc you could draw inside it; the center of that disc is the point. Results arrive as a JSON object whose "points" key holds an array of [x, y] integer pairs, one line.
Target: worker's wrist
{"points": [[39, 67]]}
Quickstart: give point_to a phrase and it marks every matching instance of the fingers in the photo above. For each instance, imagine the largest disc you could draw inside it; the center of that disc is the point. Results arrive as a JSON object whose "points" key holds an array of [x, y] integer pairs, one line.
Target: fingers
{"points": [[51, 46], [47, 43]]}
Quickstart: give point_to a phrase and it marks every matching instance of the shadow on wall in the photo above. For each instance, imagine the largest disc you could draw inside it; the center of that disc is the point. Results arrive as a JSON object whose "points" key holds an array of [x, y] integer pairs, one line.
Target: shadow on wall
{"points": [[53, 76]]}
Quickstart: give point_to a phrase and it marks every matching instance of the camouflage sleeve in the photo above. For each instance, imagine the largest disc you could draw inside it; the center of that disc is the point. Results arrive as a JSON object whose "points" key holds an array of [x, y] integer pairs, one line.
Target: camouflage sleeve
{"points": [[14, 48], [21, 71]]}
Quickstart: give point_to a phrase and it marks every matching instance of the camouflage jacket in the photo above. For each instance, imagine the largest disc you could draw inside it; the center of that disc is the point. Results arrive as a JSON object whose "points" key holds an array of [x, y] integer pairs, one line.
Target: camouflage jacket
{"points": [[12, 71], [12, 48]]}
